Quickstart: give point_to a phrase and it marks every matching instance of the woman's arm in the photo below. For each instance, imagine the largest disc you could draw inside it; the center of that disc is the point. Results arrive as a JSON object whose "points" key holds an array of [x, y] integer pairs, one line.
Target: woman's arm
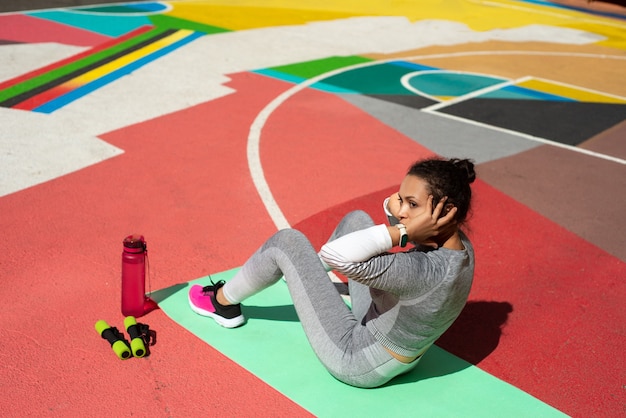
{"points": [[357, 246], [363, 256]]}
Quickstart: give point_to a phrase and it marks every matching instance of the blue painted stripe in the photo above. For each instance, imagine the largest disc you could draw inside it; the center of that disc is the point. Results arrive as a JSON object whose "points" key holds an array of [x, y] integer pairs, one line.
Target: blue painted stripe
{"points": [[79, 92], [124, 9], [412, 65], [575, 8]]}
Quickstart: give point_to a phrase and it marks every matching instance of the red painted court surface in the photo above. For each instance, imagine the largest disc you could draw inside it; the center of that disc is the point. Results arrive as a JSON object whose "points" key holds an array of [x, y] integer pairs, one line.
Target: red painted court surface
{"points": [[205, 126]]}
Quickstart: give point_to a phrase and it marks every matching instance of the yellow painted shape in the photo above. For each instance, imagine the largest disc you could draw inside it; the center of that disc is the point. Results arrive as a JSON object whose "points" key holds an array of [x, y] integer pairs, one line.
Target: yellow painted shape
{"points": [[238, 15], [569, 92], [109, 67], [479, 15]]}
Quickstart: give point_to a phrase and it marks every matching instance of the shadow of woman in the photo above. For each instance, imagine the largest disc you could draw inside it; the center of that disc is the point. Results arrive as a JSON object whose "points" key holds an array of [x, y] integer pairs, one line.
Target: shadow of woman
{"points": [[477, 330]]}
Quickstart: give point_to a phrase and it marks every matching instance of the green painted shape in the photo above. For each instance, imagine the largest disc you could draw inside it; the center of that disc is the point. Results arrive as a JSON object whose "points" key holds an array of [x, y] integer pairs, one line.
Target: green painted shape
{"points": [[374, 79], [62, 71], [171, 22], [451, 84], [310, 69], [272, 345]]}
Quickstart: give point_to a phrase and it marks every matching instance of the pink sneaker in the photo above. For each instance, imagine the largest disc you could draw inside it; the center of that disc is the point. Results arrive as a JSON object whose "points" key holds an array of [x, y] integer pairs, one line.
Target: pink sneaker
{"points": [[203, 302]]}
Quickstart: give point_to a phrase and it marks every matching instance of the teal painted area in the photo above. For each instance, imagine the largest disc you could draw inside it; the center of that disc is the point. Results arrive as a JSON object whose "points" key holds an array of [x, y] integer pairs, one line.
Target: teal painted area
{"points": [[272, 346], [451, 84], [290, 78], [110, 25], [522, 93], [508, 94], [279, 75], [374, 79], [330, 88], [385, 78]]}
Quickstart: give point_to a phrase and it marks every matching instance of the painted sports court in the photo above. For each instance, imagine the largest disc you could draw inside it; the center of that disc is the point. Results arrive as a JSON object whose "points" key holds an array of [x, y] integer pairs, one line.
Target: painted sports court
{"points": [[208, 125]]}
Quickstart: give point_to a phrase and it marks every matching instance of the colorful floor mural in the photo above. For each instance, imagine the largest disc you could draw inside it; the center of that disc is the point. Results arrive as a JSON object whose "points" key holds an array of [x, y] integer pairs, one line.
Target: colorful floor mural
{"points": [[208, 125]]}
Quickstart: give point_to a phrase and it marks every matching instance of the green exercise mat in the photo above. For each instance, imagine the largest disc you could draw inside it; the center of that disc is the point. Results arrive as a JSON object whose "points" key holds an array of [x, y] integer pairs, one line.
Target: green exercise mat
{"points": [[272, 346]]}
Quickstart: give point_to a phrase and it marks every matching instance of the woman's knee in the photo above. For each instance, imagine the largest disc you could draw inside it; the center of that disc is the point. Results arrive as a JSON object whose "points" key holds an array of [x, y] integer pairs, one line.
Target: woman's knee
{"points": [[354, 221], [290, 238], [360, 217]]}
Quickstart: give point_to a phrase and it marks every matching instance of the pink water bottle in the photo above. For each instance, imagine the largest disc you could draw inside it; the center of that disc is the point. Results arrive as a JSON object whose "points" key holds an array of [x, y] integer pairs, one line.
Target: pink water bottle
{"points": [[134, 300]]}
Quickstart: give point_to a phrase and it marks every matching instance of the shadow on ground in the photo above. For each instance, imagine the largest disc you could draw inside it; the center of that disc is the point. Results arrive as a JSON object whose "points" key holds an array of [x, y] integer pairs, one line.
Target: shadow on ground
{"points": [[477, 330]]}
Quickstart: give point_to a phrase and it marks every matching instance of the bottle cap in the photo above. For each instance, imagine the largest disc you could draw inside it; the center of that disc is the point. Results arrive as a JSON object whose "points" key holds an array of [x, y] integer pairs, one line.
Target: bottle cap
{"points": [[134, 241]]}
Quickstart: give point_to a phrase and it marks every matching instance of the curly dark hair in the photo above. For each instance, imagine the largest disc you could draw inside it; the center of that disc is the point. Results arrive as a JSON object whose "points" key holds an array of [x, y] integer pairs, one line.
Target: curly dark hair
{"points": [[448, 177]]}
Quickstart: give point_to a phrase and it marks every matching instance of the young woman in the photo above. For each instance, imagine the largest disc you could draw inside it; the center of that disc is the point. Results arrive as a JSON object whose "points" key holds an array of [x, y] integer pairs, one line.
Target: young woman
{"points": [[402, 301]]}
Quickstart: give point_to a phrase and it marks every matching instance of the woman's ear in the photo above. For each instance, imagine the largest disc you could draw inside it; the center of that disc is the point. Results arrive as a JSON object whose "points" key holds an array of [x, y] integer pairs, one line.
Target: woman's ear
{"points": [[447, 208]]}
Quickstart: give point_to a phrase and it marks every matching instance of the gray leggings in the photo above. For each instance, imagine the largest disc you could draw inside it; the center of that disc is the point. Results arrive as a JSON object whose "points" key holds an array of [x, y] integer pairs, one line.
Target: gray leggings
{"points": [[337, 335]]}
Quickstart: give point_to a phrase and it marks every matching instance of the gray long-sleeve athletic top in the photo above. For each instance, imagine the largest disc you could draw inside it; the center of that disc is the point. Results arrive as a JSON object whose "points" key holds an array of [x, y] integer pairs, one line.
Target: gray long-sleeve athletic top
{"points": [[416, 294]]}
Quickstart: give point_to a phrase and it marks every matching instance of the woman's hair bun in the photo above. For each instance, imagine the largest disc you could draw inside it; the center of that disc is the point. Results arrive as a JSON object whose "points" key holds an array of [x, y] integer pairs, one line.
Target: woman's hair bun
{"points": [[449, 178], [466, 167]]}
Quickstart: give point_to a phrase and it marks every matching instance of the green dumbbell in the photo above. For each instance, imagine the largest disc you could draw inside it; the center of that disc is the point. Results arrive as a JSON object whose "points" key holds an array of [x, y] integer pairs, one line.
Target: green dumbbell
{"points": [[137, 343], [120, 346]]}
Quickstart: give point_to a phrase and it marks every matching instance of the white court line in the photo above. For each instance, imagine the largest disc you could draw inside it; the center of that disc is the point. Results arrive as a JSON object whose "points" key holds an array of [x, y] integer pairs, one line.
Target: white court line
{"points": [[511, 52], [464, 97], [473, 94], [405, 81], [256, 128], [254, 139]]}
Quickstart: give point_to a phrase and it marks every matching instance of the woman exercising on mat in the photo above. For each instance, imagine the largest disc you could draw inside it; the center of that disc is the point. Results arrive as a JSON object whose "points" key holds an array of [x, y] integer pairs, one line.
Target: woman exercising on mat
{"points": [[401, 302]]}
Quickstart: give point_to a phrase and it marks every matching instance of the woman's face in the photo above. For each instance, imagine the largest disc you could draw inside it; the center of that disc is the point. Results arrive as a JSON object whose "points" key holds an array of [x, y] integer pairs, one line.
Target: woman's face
{"points": [[413, 197]]}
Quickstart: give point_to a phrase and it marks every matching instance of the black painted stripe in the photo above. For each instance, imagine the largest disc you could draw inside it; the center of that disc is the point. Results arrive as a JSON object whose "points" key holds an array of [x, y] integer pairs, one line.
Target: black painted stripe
{"points": [[69, 76]]}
